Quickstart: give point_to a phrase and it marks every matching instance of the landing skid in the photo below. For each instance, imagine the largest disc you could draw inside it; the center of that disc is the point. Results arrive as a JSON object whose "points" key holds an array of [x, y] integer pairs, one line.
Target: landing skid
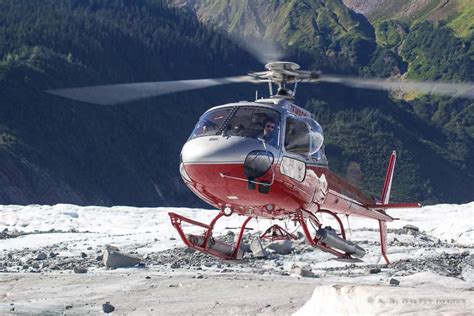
{"points": [[307, 220], [205, 242]]}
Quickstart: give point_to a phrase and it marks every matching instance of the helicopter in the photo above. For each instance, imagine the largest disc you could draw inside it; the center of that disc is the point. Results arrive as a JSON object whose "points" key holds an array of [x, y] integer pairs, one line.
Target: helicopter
{"points": [[266, 159]]}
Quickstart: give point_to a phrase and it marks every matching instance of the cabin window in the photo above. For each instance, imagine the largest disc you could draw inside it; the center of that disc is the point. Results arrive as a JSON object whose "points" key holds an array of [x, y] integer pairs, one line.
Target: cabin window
{"points": [[297, 138], [293, 168], [316, 138]]}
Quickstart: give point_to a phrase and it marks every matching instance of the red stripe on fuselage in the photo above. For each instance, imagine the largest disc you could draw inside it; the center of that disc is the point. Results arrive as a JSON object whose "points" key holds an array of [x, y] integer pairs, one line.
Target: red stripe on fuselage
{"points": [[225, 185]]}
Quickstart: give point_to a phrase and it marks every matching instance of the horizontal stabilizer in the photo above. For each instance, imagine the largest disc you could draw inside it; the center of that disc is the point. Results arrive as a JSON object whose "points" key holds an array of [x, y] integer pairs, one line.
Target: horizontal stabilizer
{"points": [[393, 205]]}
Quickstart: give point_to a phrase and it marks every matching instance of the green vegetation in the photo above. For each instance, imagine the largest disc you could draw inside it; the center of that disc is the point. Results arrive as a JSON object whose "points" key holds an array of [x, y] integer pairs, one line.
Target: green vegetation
{"points": [[391, 33], [54, 150], [334, 37], [463, 24], [457, 14], [79, 153], [435, 53]]}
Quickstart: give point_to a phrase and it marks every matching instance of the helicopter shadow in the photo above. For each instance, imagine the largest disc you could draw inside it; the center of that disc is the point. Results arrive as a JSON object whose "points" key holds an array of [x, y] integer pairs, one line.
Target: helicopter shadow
{"points": [[347, 260]]}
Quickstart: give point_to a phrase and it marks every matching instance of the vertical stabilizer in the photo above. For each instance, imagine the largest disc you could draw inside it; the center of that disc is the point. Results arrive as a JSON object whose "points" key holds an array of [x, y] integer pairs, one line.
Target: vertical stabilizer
{"points": [[387, 185]]}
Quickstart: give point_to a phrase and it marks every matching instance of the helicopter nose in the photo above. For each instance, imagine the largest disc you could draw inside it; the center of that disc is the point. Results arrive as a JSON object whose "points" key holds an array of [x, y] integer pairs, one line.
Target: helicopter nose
{"points": [[222, 149]]}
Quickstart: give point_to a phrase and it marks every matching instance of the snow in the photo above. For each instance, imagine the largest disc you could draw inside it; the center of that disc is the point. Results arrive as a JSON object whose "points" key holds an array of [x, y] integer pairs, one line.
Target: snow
{"points": [[351, 299], [344, 287], [127, 226], [443, 221]]}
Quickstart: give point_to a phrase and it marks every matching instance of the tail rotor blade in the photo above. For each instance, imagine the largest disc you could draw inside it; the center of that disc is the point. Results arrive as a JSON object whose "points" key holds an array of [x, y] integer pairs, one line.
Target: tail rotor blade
{"points": [[122, 93], [465, 89]]}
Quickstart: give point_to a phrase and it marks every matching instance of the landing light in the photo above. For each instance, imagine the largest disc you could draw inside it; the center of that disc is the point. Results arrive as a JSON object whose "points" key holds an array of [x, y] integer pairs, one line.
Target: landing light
{"points": [[228, 211], [269, 207]]}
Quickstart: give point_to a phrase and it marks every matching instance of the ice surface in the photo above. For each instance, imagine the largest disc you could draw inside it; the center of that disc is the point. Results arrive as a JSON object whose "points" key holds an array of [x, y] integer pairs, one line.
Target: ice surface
{"points": [[344, 287]]}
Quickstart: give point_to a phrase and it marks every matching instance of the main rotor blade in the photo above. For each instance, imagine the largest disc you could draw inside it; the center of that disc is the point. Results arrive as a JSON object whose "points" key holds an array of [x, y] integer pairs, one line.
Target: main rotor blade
{"points": [[121, 93], [465, 89]]}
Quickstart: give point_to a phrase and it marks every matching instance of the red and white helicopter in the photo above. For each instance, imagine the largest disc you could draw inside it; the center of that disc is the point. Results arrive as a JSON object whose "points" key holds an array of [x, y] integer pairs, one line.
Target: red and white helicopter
{"points": [[265, 159]]}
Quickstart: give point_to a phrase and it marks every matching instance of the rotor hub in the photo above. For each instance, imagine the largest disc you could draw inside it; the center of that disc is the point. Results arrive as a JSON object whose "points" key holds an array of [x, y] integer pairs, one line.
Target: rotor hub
{"points": [[282, 73], [282, 66]]}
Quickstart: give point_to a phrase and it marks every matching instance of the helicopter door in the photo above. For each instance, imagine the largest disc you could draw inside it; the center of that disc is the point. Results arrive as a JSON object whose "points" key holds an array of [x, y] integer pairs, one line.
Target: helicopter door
{"points": [[304, 136]]}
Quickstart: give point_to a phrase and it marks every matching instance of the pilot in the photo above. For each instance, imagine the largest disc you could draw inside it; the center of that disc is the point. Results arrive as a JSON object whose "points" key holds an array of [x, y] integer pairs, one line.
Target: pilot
{"points": [[268, 133]]}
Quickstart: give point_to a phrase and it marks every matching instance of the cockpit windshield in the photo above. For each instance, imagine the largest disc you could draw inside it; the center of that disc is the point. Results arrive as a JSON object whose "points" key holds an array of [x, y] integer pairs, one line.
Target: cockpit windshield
{"points": [[244, 121], [211, 122]]}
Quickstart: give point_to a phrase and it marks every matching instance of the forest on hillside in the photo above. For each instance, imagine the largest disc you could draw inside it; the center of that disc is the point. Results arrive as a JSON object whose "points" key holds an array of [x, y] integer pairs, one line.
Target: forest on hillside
{"points": [[59, 151]]}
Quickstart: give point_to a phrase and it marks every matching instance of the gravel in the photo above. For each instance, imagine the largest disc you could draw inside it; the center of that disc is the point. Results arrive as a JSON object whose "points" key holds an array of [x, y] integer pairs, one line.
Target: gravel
{"points": [[57, 258]]}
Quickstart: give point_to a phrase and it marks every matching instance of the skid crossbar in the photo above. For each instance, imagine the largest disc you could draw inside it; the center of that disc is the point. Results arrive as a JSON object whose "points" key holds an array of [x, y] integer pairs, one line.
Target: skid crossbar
{"points": [[276, 232]]}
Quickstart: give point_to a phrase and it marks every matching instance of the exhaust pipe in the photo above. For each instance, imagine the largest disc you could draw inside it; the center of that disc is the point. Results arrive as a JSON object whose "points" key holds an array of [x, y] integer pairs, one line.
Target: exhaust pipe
{"points": [[329, 237]]}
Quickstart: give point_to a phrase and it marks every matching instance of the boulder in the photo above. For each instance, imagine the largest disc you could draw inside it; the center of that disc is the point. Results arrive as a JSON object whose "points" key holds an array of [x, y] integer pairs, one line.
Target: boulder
{"points": [[80, 270], [374, 270], [107, 308], [175, 265], [41, 256], [305, 272], [282, 247], [409, 227], [394, 282], [257, 248], [115, 259]]}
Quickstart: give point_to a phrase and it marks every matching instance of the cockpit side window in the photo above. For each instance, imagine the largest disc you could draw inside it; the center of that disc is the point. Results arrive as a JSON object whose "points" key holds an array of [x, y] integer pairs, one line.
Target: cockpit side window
{"points": [[316, 137], [304, 136], [210, 123], [297, 138]]}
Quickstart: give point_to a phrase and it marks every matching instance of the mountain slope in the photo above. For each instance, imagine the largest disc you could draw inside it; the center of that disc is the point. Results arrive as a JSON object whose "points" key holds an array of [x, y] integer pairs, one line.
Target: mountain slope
{"points": [[291, 22], [54, 150], [458, 14], [431, 53], [326, 29]]}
